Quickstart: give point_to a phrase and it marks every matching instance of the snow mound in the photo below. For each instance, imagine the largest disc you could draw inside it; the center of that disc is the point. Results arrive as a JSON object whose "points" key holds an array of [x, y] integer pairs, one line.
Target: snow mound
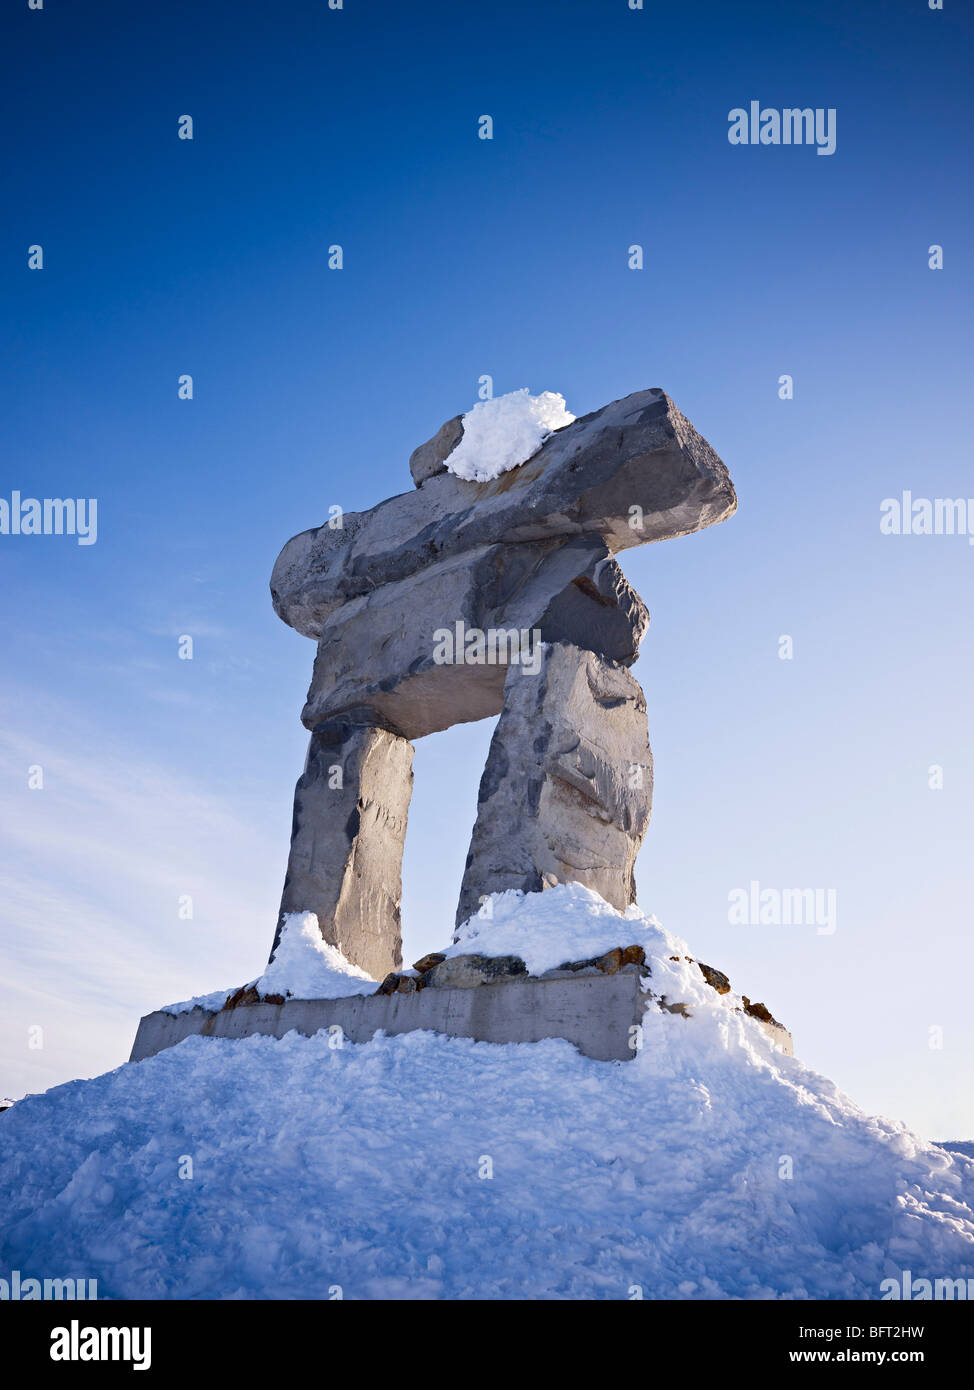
{"points": [[305, 966], [501, 433], [422, 1166], [571, 923], [565, 923]]}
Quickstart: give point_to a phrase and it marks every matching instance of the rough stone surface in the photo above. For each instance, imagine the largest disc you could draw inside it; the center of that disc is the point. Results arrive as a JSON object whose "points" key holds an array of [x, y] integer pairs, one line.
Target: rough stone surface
{"points": [[381, 650], [715, 978], [467, 972], [619, 958], [599, 611], [428, 961], [637, 453], [759, 1011], [345, 863], [567, 790], [430, 458], [611, 962], [246, 994]]}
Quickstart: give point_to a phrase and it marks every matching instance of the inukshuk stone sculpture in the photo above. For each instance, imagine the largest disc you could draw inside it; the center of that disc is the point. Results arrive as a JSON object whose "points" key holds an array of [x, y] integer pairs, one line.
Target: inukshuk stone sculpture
{"points": [[463, 600]]}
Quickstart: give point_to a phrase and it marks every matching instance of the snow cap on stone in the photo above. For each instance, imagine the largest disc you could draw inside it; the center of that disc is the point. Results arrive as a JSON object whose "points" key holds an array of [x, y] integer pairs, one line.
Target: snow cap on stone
{"points": [[505, 431]]}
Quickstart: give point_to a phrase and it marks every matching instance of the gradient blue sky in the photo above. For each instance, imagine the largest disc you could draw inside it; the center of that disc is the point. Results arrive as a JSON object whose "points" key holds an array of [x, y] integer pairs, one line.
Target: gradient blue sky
{"points": [[462, 257]]}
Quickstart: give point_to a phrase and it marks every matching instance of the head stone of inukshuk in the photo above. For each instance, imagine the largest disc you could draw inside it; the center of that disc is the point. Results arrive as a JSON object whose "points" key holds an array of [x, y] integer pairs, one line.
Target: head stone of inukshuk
{"points": [[462, 600]]}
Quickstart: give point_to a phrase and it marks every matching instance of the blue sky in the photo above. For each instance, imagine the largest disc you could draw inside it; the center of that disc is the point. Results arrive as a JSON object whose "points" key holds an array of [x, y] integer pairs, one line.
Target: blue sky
{"points": [[509, 257]]}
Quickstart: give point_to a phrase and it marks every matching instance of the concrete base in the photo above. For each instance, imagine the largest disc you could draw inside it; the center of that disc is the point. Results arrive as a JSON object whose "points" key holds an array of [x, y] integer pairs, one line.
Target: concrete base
{"points": [[595, 1012]]}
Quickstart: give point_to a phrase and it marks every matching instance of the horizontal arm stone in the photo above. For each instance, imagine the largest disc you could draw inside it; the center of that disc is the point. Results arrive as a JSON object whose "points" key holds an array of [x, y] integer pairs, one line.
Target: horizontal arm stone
{"points": [[637, 453]]}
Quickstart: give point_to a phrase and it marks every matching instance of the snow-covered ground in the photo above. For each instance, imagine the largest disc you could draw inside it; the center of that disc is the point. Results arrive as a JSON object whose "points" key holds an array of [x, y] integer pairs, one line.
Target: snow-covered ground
{"points": [[420, 1166], [505, 431]]}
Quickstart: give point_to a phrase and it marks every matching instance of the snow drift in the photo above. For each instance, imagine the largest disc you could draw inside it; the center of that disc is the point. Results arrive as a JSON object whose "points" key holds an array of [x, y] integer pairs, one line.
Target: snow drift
{"points": [[711, 1166]]}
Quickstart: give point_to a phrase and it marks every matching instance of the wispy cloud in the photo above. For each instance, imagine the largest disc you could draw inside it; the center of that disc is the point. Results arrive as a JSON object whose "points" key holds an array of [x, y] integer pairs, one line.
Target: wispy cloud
{"points": [[94, 869]]}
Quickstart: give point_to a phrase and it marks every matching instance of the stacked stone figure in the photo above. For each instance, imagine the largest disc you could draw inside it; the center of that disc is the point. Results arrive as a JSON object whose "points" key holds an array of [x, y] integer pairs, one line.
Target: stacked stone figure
{"points": [[463, 600]]}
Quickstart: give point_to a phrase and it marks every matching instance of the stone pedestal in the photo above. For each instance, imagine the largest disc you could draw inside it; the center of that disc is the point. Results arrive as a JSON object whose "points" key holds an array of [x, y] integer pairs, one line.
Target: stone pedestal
{"points": [[348, 831], [567, 790], [599, 1013]]}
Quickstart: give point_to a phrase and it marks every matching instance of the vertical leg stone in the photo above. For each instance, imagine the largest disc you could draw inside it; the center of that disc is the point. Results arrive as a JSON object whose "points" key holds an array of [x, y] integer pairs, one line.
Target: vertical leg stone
{"points": [[567, 790], [350, 809]]}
